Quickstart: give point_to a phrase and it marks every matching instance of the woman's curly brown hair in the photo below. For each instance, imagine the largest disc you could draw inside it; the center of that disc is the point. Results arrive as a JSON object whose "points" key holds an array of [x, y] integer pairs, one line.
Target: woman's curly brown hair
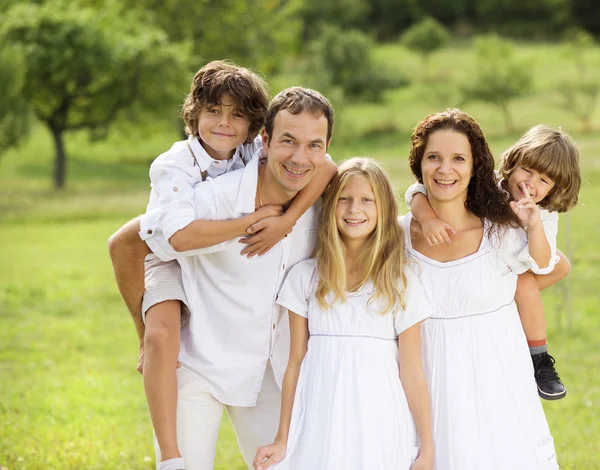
{"points": [[484, 198], [250, 94]]}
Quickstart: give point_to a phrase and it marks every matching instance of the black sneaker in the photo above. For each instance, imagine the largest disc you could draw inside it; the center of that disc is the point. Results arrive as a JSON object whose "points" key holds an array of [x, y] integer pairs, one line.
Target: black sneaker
{"points": [[548, 382]]}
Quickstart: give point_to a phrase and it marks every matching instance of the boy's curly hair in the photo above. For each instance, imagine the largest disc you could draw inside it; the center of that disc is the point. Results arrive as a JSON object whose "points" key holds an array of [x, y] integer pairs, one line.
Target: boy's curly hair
{"points": [[250, 94]]}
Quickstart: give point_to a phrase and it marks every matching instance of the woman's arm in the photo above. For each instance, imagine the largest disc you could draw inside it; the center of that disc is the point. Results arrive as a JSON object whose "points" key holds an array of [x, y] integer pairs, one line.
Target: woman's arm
{"points": [[414, 383], [275, 453]]}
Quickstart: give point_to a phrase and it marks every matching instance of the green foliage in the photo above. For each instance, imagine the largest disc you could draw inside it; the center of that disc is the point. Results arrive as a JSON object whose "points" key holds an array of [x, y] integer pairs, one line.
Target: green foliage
{"points": [[85, 66], [317, 13], [500, 76], [425, 37], [14, 111], [344, 59], [580, 90]]}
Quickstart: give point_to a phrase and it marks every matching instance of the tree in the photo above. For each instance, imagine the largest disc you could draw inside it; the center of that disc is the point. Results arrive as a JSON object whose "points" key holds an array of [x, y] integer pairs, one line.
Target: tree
{"points": [[499, 77], [425, 37], [86, 66], [579, 92], [14, 110]]}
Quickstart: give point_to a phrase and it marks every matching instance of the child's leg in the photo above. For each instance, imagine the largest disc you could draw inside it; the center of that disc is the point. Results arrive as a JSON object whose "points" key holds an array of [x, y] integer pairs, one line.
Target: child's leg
{"points": [[531, 311], [161, 348], [163, 304], [127, 253]]}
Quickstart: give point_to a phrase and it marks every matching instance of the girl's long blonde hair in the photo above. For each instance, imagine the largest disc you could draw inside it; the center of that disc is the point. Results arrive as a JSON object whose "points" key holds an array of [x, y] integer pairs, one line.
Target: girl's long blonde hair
{"points": [[383, 256]]}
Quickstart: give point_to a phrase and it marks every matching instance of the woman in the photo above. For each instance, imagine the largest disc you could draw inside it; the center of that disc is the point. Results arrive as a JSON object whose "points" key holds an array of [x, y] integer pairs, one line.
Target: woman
{"points": [[485, 410]]}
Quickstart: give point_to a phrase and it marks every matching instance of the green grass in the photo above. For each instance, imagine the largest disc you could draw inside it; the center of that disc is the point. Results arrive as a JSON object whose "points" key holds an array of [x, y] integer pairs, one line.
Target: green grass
{"points": [[70, 397]]}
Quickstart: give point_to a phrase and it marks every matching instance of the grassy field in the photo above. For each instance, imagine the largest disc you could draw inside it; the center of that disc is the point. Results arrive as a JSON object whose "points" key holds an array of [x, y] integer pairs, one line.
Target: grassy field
{"points": [[70, 397]]}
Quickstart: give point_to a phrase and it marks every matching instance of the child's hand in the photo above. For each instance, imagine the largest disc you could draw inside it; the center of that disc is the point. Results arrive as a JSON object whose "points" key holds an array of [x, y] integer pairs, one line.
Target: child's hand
{"points": [[527, 211], [423, 462], [269, 455], [436, 231], [266, 234]]}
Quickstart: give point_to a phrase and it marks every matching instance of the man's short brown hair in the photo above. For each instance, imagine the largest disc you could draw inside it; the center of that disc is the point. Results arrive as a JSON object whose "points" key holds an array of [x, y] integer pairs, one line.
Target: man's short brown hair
{"points": [[250, 94], [296, 100]]}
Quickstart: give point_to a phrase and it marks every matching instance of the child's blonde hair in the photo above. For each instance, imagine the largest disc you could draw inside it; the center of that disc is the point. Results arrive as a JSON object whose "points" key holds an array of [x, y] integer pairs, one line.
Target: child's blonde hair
{"points": [[383, 257], [250, 94], [553, 153]]}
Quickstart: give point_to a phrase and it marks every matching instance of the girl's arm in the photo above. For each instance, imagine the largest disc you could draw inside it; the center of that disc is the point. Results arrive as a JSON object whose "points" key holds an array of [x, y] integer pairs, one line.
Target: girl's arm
{"points": [[275, 453], [269, 231], [414, 383]]}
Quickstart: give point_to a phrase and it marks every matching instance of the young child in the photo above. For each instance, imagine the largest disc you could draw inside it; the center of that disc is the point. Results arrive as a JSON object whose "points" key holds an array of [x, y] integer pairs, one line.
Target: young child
{"points": [[223, 113], [542, 167], [354, 375]]}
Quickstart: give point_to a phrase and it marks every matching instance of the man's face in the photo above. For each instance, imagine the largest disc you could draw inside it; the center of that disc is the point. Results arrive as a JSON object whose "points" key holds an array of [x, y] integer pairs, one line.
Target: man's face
{"points": [[296, 149]]}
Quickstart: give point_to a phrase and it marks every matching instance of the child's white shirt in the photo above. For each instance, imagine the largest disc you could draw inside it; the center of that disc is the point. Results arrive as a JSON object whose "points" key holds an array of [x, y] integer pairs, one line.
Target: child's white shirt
{"points": [[549, 222], [173, 176]]}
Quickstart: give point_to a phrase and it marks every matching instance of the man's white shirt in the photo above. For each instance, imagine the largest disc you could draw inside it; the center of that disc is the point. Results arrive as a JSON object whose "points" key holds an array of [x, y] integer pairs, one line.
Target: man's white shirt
{"points": [[235, 326]]}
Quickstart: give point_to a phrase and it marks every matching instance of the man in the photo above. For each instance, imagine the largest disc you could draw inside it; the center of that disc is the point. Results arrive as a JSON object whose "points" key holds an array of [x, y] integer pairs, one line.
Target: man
{"points": [[234, 348]]}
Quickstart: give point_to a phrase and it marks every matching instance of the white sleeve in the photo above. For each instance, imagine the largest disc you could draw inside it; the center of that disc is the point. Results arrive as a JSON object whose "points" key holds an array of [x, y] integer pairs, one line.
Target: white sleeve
{"points": [[550, 224], [250, 149], [173, 176], [417, 307], [412, 190], [297, 289], [514, 251]]}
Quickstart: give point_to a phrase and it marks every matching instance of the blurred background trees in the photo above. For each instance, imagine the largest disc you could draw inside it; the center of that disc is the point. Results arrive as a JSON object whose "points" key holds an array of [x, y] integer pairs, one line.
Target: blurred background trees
{"points": [[88, 64]]}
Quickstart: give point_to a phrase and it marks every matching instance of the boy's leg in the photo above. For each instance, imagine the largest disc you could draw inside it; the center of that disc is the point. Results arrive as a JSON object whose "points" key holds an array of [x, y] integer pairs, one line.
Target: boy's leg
{"points": [[127, 253], [198, 420], [531, 311], [161, 349], [257, 425]]}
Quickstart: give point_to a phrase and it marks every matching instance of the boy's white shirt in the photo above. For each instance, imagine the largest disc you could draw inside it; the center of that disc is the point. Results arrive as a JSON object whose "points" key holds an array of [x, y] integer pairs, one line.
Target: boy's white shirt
{"points": [[173, 176], [549, 222]]}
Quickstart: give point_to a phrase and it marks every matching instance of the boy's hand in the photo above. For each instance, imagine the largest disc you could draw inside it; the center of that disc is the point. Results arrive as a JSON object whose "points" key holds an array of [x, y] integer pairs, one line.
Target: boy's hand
{"points": [[527, 211], [140, 363], [266, 234], [269, 455], [436, 231]]}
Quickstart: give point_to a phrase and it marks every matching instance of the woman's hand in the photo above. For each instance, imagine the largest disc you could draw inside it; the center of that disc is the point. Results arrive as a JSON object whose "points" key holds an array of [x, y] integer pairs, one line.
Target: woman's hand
{"points": [[269, 455]]}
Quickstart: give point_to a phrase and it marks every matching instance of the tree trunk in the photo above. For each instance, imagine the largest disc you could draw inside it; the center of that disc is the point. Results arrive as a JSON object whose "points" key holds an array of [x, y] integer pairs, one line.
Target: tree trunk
{"points": [[508, 124], [60, 158]]}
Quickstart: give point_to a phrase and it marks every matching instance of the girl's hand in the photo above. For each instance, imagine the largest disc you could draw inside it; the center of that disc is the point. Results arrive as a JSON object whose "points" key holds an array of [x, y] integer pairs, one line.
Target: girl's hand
{"points": [[422, 463], [527, 211], [269, 455], [266, 234], [436, 231]]}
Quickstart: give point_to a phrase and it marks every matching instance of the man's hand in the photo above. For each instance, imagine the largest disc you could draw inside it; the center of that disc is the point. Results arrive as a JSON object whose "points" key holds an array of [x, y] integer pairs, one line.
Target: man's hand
{"points": [[436, 231], [266, 234], [269, 455]]}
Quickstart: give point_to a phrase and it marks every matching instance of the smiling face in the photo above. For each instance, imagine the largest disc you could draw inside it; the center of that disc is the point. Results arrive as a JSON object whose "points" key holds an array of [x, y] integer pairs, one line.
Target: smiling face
{"points": [[447, 165], [296, 149], [538, 184], [222, 128], [356, 210]]}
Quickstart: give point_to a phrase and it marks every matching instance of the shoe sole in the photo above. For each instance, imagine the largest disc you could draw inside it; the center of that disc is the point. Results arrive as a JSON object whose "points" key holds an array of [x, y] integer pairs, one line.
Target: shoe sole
{"points": [[550, 397]]}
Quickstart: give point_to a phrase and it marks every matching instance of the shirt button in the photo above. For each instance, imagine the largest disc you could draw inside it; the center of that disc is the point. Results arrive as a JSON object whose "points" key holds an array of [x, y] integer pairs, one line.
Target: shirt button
{"points": [[175, 189], [283, 267], [273, 325], [149, 232]]}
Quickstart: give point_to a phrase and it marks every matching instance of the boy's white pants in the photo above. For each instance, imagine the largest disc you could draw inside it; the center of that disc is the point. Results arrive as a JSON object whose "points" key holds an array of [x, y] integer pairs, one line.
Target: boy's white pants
{"points": [[199, 418]]}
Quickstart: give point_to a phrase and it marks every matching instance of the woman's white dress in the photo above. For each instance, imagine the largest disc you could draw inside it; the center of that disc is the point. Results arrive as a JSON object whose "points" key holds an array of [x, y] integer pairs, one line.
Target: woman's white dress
{"points": [[486, 412], [350, 411]]}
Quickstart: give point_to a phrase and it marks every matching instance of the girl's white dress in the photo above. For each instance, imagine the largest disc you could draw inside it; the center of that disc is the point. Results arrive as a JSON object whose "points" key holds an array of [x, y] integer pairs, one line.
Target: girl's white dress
{"points": [[350, 411], [485, 408]]}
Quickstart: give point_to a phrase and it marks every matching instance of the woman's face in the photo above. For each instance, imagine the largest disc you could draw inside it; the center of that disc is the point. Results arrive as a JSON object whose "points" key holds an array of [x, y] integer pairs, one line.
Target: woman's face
{"points": [[356, 210], [447, 165]]}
